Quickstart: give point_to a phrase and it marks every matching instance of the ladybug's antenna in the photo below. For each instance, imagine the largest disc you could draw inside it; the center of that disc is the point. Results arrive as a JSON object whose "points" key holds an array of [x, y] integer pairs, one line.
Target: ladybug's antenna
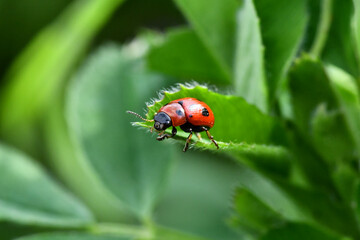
{"points": [[138, 115]]}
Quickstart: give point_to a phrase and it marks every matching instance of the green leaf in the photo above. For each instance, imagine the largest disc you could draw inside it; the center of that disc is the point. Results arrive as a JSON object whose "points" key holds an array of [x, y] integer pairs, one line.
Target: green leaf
{"points": [[311, 92], [346, 179], [250, 81], [356, 27], [340, 46], [183, 55], [69, 166], [309, 87], [282, 26], [214, 23], [29, 196], [272, 196], [314, 12], [324, 209], [357, 201], [112, 81], [315, 171], [233, 115], [252, 215], [38, 73], [330, 136], [347, 95], [300, 231], [297, 204], [71, 236]]}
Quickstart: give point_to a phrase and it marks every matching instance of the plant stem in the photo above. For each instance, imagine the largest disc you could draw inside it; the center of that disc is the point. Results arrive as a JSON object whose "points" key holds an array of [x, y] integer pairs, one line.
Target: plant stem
{"points": [[323, 28]]}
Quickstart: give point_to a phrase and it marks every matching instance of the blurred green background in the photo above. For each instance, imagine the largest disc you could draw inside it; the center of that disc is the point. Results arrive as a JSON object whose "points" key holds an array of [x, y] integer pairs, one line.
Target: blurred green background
{"points": [[282, 78]]}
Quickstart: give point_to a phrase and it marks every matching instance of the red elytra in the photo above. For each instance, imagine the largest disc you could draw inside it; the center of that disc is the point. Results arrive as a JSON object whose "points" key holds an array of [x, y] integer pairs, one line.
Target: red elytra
{"points": [[190, 114], [189, 110]]}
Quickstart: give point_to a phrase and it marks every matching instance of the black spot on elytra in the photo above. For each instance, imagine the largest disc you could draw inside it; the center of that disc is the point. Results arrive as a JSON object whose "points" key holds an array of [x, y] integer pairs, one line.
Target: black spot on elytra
{"points": [[190, 115], [180, 102], [205, 112], [179, 113]]}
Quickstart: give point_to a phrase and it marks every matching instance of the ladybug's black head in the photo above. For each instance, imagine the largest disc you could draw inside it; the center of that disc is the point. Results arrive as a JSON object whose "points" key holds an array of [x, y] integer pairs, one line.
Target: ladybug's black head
{"points": [[162, 121]]}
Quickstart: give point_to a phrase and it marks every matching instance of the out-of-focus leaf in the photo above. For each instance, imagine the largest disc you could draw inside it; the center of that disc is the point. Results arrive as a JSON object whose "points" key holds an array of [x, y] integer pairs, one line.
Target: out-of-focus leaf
{"points": [[71, 236], [282, 26], [29, 196], [272, 196], [183, 207], [112, 81], [309, 164], [314, 14], [309, 87], [317, 204], [346, 179], [36, 76], [30, 17], [68, 164], [182, 54], [330, 135], [300, 231], [250, 81], [162, 233], [339, 49], [11, 230], [214, 22], [252, 215], [347, 95], [357, 201], [356, 26], [300, 205]]}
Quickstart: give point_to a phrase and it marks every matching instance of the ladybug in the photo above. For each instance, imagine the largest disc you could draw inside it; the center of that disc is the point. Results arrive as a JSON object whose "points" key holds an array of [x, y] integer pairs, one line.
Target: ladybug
{"points": [[192, 115]]}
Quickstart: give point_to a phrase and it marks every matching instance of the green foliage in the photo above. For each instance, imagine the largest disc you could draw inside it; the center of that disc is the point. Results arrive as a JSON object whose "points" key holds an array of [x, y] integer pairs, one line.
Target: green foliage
{"points": [[340, 46], [347, 95], [299, 231], [183, 55], [252, 215], [250, 81], [71, 236], [282, 27], [28, 195], [281, 78], [101, 92], [215, 27], [45, 64]]}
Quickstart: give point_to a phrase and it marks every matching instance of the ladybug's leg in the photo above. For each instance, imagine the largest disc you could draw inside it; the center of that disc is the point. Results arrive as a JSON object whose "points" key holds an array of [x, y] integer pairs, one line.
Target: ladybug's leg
{"points": [[211, 138], [187, 142], [164, 136], [198, 135]]}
